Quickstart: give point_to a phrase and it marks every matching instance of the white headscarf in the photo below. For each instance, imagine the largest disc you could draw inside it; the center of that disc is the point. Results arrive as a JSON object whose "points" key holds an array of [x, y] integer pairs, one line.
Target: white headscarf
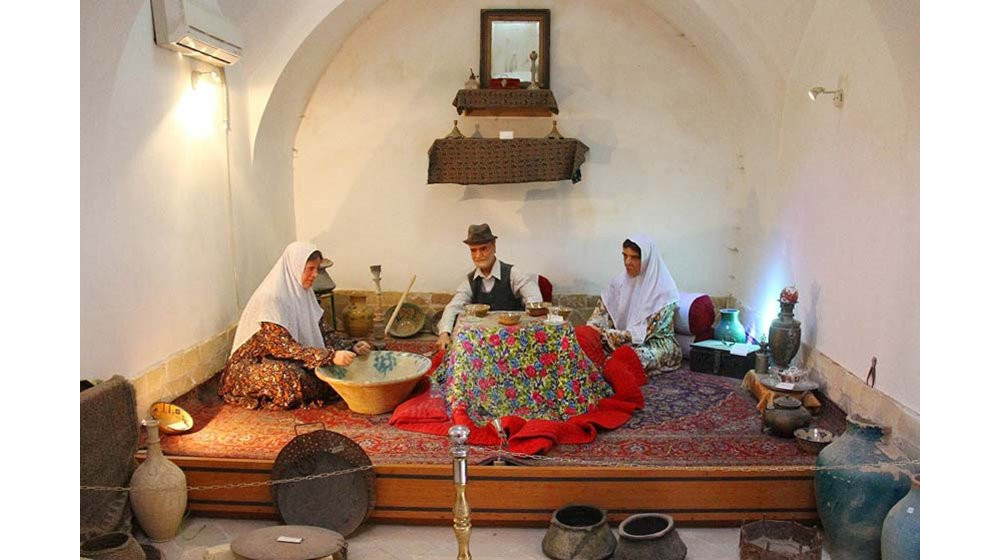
{"points": [[631, 301], [282, 300]]}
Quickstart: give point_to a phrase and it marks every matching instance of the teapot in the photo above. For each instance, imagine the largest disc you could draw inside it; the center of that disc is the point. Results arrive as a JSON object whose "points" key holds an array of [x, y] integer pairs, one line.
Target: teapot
{"points": [[785, 415]]}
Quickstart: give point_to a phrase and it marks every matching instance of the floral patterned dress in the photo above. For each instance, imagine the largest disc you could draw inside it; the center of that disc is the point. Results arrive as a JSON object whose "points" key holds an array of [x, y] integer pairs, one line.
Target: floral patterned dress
{"points": [[535, 372], [660, 351], [273, 371]]}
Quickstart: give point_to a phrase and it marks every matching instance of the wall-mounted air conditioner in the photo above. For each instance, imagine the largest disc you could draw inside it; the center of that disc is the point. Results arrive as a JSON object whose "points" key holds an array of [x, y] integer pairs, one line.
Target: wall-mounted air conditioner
{"points": [[196, 29]]}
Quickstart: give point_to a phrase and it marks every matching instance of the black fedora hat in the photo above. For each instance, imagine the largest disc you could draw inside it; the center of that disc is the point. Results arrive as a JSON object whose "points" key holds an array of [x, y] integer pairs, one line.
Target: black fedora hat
{"points": [[479, 234]]}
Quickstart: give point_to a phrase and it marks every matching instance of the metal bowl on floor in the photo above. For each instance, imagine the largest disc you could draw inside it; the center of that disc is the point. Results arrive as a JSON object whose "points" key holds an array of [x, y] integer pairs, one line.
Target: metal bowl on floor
{"points": [[377, 382], [812, 440], [172, 418]]}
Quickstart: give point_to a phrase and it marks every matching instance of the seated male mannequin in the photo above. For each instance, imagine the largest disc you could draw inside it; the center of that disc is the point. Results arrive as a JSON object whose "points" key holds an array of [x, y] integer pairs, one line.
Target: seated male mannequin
{"points": [[501, 285]]}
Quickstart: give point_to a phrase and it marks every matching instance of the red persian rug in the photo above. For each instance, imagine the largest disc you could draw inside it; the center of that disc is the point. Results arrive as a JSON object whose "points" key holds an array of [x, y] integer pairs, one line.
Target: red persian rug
{"points": [[686, 418]]}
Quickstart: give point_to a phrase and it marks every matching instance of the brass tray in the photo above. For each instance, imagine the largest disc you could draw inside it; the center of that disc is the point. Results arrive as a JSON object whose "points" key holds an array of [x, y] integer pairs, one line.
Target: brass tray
{"points": [[771, 381], [340, 503]]}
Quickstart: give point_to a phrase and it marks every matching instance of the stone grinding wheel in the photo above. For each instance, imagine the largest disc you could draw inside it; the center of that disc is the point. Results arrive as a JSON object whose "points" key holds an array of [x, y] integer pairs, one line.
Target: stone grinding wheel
{"points": [[263, 544], [339, 503]]}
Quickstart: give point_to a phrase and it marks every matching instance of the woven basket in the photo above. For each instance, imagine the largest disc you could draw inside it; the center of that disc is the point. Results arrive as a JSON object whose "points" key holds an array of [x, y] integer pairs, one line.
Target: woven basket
{"points": [[112, 546]]}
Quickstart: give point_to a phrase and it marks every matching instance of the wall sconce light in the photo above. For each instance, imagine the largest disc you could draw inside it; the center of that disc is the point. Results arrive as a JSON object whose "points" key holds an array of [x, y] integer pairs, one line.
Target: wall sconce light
{"points": [[197, 78], [838, 95]]}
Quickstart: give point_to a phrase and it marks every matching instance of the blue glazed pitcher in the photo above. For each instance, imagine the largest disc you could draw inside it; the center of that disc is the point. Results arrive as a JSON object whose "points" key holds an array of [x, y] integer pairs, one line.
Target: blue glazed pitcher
{"points": [[853, 499], [729, 328], [901, 530]]}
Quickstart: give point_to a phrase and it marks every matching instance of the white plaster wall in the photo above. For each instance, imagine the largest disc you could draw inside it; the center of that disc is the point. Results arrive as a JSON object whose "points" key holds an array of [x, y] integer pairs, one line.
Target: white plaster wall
{"points": [[840, 216], [628, 84], [156, 263]]}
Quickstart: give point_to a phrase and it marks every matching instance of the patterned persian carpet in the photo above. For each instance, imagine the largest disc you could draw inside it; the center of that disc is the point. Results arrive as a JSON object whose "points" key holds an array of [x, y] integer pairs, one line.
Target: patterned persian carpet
{"points": [[690, 418]]}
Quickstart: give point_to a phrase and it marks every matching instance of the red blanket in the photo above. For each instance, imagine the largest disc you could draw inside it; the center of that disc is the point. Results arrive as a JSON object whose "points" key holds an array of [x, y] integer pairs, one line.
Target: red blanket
{"points": [[426, 414]]}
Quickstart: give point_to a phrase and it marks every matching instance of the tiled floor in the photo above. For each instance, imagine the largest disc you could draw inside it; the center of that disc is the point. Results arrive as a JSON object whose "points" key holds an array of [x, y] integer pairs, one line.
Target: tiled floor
{"points": [[406, 542]]}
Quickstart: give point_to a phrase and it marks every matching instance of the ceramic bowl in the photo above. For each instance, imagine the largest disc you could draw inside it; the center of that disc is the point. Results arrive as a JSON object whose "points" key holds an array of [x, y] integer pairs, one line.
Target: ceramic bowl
{"points": [[409, 321], [172, 418], [791, 374], [509, 318], [376, 383], [537, 308], [477, 309], [812, 440]]}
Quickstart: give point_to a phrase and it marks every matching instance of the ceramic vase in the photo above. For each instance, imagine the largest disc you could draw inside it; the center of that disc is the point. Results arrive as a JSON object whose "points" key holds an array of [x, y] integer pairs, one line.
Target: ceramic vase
{"points": [[359, 318], [784, 336], [901, 529], [579, 532], [729, 328], [853, 497], [649, 536], [158, 490]]}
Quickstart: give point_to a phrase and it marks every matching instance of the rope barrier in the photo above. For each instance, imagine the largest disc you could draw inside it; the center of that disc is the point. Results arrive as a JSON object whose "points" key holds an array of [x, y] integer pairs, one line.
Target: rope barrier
{"points": [[554, 460]]}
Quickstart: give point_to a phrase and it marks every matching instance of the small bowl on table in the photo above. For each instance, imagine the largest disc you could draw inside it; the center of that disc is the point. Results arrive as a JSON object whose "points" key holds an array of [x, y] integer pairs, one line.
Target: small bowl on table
{"points": [[812, 440], [509, 318], [537, 308], [172, 418], [563, 312], [476, 309]]}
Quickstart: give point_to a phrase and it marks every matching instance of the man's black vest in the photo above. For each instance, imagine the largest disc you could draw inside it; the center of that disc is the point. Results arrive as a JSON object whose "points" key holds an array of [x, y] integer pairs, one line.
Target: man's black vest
{"points": [[502, 297]]}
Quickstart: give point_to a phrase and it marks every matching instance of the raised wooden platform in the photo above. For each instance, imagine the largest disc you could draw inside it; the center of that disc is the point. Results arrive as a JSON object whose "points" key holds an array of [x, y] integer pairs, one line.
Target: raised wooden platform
{"points": [[508, 495]]}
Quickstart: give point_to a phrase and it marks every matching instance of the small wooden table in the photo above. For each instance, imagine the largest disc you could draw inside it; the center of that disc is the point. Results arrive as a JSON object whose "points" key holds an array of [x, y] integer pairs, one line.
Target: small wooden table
{"points": [[765, 394]]}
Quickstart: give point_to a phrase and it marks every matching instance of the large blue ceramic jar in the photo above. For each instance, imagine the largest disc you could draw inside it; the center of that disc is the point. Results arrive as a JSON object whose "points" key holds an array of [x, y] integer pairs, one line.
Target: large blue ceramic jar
{"points": [[901, 530], [729, 328], [853, 501]]}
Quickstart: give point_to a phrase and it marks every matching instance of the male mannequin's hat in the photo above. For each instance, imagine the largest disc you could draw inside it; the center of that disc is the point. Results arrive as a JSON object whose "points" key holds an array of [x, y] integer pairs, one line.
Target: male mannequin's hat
{"points": [[479, 234]]}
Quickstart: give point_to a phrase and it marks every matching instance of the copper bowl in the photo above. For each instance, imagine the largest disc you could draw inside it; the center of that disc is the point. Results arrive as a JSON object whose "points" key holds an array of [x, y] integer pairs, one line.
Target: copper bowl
{"points": [[476, 309], [537, 308], [812, 440], [509, 318]]}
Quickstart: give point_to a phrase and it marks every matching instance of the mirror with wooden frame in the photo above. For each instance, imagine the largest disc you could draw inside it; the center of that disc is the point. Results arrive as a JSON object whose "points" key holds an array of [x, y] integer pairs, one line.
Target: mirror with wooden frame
{"points": [[506, 40]]}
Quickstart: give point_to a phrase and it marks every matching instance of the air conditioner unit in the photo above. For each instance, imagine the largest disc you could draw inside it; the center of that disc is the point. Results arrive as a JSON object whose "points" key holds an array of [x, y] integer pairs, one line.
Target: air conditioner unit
{"points": [[196, 29]]}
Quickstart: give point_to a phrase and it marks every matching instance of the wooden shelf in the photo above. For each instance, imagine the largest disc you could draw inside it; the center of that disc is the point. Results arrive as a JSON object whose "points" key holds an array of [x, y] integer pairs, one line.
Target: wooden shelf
{"points": [[506, 103], [509, 112]]}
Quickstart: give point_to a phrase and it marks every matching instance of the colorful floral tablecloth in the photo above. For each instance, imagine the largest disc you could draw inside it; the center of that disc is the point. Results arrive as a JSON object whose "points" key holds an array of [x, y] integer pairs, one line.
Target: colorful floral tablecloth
{"points": [[534, 370]]}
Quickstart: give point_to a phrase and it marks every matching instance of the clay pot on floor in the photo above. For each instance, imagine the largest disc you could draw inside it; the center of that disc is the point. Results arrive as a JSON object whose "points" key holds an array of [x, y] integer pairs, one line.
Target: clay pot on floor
{"points": [[649, 536], [785, 415], [579, 532], [112, 546], [901, 528], [158, 490]]}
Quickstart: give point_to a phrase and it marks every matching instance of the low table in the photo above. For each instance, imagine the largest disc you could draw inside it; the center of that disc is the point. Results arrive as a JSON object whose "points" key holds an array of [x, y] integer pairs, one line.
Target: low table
{"points": [[766, 391], [717, 357]]}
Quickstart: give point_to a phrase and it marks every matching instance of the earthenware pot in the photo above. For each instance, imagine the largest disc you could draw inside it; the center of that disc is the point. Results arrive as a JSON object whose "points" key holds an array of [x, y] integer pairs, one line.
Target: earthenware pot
{"points": [[852, 495], [784, 336], [785, 415], [359, 318], [158, 490], [579, 532], [729, 328], [649, 536], [112, 546], [901, 529]]}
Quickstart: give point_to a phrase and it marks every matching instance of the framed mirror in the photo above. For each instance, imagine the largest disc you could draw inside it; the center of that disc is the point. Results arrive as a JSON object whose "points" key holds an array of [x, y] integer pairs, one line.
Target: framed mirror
{"points": [[506, 41]]}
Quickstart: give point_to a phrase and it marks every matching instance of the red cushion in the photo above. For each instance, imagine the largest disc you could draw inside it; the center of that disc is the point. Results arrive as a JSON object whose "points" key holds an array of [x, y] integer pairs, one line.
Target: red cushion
{"points": [[545, 287], [701, 315]]}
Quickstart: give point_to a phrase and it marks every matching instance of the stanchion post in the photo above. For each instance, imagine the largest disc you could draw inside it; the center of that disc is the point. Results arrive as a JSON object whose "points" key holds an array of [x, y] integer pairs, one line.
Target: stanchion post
{"points": [[462, 514]]}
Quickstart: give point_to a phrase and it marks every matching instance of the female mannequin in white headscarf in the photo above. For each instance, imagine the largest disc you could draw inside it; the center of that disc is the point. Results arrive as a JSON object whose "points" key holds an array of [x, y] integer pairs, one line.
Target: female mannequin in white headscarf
{"points": [[279, 343], [637, 308]]}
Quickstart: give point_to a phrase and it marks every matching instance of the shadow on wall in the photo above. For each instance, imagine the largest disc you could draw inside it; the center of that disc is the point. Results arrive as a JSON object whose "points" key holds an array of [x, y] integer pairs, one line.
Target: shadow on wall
{"points": [[810, 321]]}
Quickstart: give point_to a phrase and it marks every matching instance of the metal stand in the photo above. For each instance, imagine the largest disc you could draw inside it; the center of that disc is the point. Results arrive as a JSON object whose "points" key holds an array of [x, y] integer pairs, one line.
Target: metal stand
{"points": [[378, 323], [462, 512]]}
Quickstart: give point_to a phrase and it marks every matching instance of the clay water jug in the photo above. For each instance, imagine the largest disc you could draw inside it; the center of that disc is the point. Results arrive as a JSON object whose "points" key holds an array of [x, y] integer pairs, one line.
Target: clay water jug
{"points": [[158, 490], [358, 317], [852, 495], [579, 532], [901, 529]]}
